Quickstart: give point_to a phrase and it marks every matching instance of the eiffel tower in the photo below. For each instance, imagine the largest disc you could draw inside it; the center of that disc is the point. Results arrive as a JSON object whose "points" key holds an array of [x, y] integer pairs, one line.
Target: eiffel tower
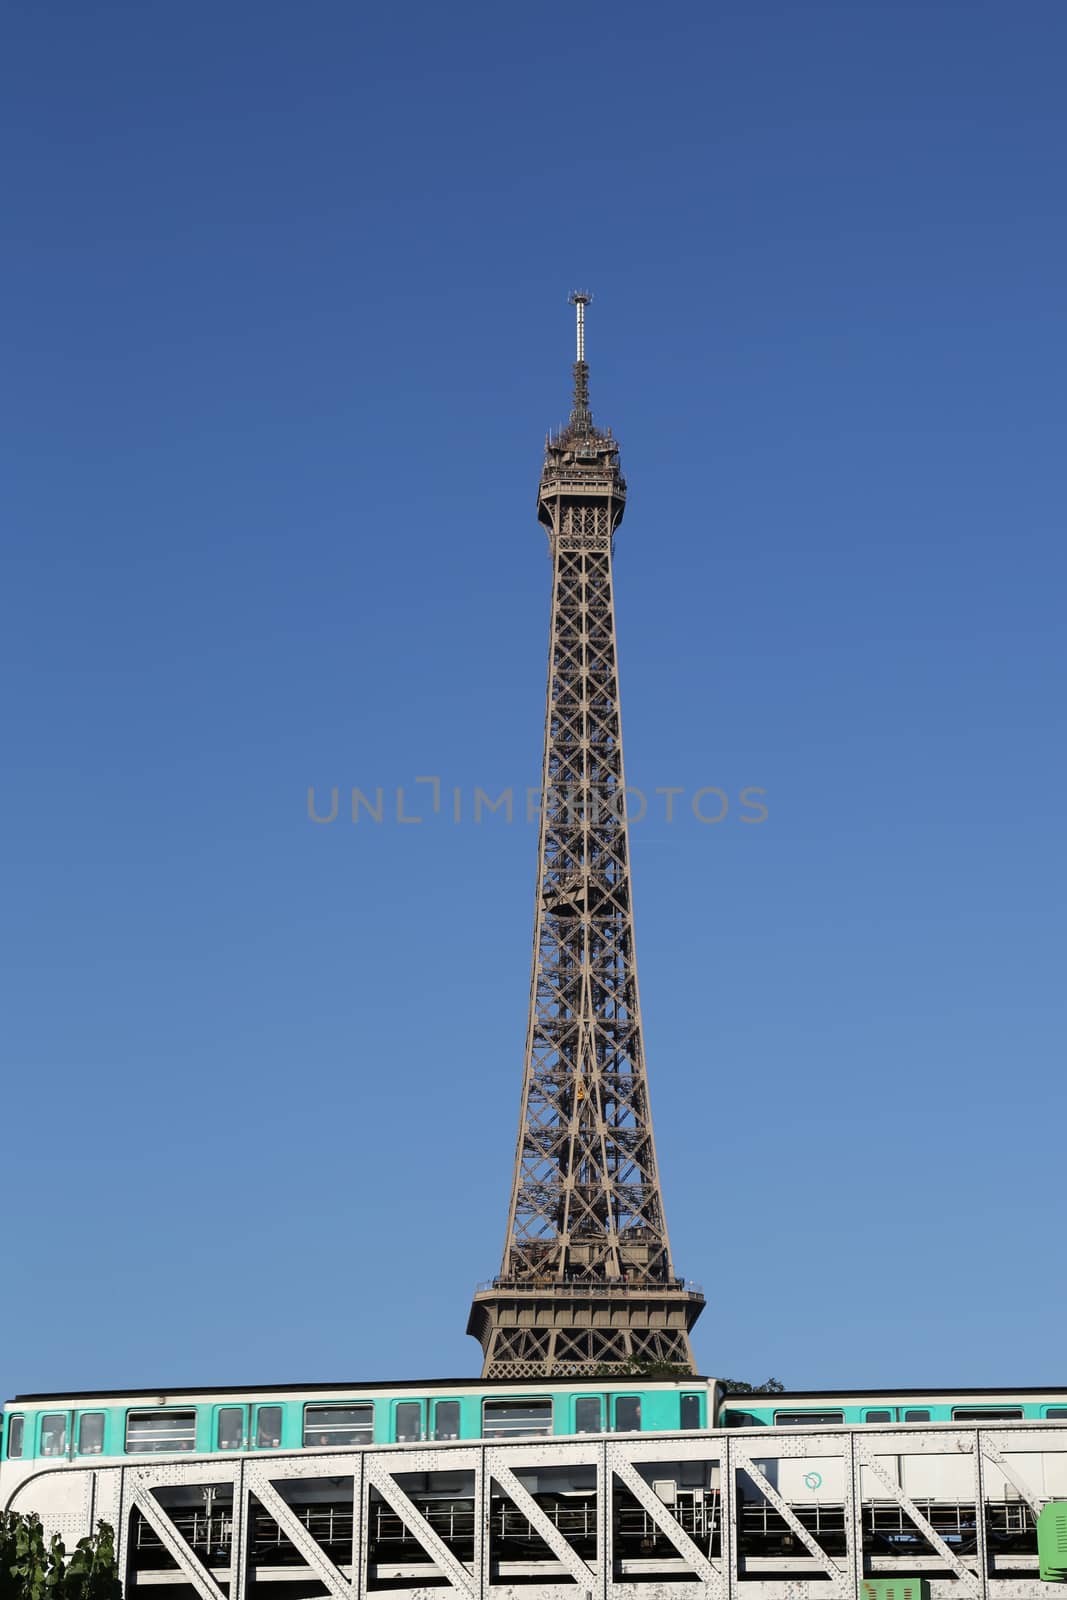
{"points": [[586, 1286]]}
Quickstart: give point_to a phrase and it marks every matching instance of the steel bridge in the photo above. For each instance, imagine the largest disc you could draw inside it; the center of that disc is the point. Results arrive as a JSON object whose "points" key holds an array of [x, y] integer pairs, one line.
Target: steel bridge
{"points": [[671, 1517]]}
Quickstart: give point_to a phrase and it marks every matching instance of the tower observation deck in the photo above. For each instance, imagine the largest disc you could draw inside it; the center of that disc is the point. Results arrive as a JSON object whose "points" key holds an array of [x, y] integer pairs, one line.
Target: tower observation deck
{"points": [[587, 1285]]}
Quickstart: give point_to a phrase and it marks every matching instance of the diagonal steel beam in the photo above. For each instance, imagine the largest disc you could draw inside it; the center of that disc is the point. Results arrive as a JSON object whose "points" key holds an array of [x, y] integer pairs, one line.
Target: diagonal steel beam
{"points": [[172, 1541], [707, 1570], [331, 1577], [837, 1577], [1013, 1475], [968, 1580], [432, 1543], [582, 1573]]}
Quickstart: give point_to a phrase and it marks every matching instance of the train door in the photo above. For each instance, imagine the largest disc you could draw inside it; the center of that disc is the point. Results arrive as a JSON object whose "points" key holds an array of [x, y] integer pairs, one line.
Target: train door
{"points": [[408, 1421], [88, 1436], [691, 1411], [55, 1436], [229, 1427], [446, 1419], [627, 1413], [246, 1427], [266, 1427], [589, 1414]]}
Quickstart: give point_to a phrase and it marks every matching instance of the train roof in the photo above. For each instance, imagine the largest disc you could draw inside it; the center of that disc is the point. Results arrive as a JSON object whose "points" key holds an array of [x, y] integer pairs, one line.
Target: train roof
{"points": [[759, 1398], [769, 1397], [171, 1393]]}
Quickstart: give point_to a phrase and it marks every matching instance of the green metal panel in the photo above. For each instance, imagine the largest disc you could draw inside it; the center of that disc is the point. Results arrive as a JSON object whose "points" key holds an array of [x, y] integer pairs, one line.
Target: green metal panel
{"points": [[1052, 1542], [293, 1423], [205, 1425], [895, 1589], [470, 1416], [660, 1412]]}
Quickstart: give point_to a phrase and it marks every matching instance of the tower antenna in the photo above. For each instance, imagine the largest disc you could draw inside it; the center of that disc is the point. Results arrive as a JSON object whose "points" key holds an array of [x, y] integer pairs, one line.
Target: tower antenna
{"points": [[579, 300], [581, 416]]}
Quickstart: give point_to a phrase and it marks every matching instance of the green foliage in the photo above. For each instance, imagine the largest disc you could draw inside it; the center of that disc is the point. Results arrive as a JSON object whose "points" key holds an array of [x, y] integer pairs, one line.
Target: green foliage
{"points": [[641, 1369], [31, 1569], [735, 1386]]}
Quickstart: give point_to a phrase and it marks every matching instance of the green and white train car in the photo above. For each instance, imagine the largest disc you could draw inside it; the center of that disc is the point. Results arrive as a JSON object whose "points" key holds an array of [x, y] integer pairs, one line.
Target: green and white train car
{"points": [[43, 1431], [811, 1408]]}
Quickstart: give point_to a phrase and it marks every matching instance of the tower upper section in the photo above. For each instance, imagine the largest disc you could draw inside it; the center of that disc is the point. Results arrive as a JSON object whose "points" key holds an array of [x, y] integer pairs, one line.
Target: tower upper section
{"points": [[582, 494]]}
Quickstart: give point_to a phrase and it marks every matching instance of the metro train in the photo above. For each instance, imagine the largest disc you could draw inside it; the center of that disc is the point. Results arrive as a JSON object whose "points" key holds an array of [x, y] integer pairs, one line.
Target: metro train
{"points": [[111, 1426], [58, 1453]]}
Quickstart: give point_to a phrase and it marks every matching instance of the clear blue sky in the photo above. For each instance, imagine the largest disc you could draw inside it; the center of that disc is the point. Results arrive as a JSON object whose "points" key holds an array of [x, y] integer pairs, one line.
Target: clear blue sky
{"points": [[284, 301]]}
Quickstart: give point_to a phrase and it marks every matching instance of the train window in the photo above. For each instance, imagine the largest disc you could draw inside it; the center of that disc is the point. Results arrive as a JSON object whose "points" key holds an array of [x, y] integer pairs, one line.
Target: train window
{"points": [[159, 1432], [338, 1425], [921, 1415], [90, 1433], [268, 1427], [54, 1433], [1056, 1411], [588, 1414], [690, 1411], [230, 1434], [986, 1413], [408, 1421], [808, 1419], [877, 1416], [516, 1419], [15, 1429], [446, 1419], [627, 1413]]}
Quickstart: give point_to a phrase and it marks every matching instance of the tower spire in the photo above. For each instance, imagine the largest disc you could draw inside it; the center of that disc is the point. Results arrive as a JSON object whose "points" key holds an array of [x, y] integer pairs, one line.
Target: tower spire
{"points": [[586, 1285], [581, 416]]}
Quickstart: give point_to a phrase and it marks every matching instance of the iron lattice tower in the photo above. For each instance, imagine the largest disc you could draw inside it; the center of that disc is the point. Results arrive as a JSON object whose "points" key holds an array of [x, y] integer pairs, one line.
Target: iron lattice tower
{"points": [[586, 1285]]}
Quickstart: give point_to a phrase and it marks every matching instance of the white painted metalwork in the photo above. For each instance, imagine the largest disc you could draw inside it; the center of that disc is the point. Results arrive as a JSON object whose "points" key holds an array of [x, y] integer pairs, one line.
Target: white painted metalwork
{"points": [[708, 1572], [331, 1577], [746, 1514], [838, 1581]]}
